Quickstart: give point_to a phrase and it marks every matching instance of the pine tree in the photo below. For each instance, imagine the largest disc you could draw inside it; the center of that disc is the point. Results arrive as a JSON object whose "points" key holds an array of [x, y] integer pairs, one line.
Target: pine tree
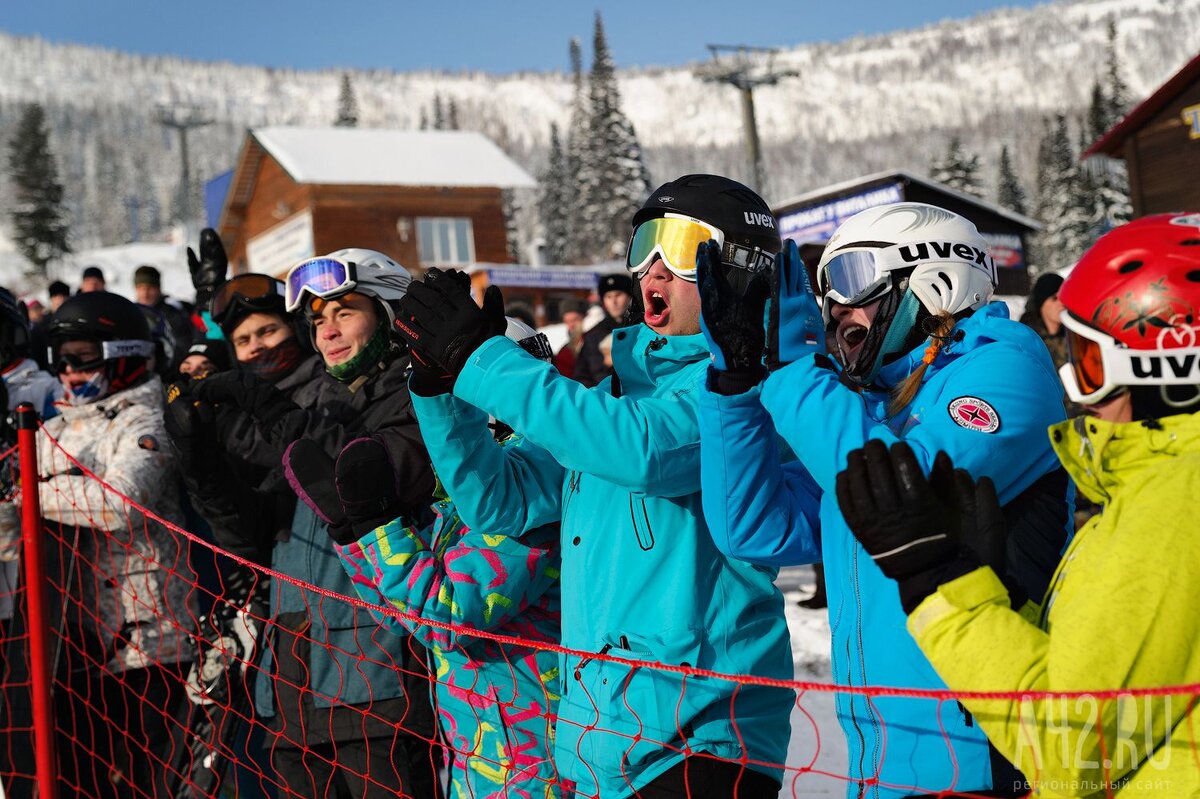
{"points": [[553, 203], [573, 247], [423, 124], [1098, 117], [513, 208], [347, 115], [439, 113], [451, 115], [612, 175], [38, 214], [1010, 193], [957, 170], [1118, 92], [1064, 203]]}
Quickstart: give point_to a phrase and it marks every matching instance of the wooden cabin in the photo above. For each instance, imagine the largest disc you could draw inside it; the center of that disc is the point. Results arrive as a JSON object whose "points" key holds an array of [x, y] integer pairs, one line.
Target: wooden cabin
{"points": [[425, 198], [1159, 140]]}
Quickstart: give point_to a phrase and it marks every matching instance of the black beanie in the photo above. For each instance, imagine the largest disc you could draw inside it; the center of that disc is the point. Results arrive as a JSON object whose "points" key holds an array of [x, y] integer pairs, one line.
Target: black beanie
{"points": [[215, 351], [615, 282], [1045, 287]]}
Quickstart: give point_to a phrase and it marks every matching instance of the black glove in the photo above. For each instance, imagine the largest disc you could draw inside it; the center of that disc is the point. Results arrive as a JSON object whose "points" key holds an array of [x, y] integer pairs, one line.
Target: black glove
{"points": [[310, 472], [912, 532], [189, 425], [354, 494], [733, 301], [249, 392], [366, 484], [442, 324], [208, 271]]}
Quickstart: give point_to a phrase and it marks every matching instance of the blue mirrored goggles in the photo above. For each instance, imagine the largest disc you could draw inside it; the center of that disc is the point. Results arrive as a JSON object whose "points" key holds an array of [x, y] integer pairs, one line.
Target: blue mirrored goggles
{"points": [[323, 278]]}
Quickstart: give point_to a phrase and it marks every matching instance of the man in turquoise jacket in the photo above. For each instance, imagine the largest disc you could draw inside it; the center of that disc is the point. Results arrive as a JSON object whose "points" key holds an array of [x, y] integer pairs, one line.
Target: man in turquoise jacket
{"points": [[619, 466]]}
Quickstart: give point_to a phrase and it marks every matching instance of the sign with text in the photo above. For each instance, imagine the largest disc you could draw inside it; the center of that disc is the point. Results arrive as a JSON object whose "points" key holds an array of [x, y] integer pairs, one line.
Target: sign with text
{"points": [[543, 278], [1191, 118], [277, 250], [817, 223], [1005, 249]]}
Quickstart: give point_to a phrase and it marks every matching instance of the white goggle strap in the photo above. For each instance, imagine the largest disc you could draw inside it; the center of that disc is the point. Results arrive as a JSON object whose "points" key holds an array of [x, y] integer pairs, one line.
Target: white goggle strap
{"points": [[126, 349]]}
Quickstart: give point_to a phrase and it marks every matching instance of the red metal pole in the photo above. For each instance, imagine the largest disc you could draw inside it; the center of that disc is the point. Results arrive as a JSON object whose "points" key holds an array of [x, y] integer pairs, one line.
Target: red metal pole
{"points": [[35, 597]]}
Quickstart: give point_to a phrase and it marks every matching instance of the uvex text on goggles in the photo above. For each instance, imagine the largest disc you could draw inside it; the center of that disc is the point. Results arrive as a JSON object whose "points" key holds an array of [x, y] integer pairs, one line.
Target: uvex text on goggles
{"points": [[675, 238], [859, 276], [323, 278], [1098, 364], [248, 290]]}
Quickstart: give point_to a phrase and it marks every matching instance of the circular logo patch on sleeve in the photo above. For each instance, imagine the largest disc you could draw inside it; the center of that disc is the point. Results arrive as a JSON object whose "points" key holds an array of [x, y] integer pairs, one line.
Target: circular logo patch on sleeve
{"points": [[974, 414]]}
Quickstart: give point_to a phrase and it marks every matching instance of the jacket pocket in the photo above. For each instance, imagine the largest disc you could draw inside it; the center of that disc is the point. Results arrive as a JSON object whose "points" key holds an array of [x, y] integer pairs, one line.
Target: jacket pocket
{"points": [[639, 713], [641, 523]]}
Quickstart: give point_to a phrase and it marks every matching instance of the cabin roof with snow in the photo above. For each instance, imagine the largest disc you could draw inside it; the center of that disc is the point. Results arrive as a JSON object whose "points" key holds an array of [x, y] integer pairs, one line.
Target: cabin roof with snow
{"points": [[1113, 141], [905, 176], [363, 156], [426, 198]]}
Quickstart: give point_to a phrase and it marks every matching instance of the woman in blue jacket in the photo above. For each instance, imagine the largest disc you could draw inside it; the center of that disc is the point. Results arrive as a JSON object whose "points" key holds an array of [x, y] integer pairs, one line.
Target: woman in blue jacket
{"points": [[921, 356]]}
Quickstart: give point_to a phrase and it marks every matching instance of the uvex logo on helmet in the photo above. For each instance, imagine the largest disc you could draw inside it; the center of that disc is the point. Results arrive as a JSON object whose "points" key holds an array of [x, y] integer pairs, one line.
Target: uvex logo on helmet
{"points": [[1155, 366], [927, 250], [762, 220]]}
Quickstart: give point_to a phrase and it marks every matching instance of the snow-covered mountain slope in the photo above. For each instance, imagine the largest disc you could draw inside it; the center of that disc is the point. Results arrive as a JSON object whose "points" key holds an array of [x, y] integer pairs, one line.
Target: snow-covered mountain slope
{"points": [[852, 107]]}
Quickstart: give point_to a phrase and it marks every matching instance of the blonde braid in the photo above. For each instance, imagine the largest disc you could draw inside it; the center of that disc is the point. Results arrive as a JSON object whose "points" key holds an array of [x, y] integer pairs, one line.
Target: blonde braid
{"points": [[904, 393]]}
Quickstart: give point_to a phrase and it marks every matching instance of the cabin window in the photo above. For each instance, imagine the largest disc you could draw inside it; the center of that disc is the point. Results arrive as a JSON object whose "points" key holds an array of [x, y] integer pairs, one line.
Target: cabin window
{"points": [[446, 241]]}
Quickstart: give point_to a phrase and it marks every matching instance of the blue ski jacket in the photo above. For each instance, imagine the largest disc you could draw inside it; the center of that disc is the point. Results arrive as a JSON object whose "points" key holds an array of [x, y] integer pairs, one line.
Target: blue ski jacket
{"points": [[986, 400], [619, 466]]}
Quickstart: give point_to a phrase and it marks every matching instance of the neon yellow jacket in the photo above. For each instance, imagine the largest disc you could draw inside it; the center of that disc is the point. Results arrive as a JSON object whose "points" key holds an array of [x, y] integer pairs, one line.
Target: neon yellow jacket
{"points": [[1123, 611]]}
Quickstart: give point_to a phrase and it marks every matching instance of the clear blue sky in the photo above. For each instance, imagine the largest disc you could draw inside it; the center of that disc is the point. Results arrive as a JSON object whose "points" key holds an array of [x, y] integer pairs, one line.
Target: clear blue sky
{"points": [[489, 35]]}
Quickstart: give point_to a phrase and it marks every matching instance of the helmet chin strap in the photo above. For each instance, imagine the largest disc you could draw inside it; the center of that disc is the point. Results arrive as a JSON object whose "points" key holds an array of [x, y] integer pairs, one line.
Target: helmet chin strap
{"points": [[888, 334]]}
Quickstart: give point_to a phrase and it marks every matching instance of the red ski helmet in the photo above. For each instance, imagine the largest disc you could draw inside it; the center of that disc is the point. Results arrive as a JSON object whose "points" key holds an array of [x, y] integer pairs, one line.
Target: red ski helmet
{"points": [[1133, 310]]}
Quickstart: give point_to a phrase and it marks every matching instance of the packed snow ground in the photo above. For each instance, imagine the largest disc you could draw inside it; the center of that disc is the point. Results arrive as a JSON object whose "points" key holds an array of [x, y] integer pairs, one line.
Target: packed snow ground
{"points": [[810, 654]]}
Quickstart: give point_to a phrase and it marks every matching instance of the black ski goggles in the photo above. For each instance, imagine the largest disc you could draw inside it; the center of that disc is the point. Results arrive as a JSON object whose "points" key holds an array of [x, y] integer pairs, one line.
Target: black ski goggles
{"points": [[255, 292]]}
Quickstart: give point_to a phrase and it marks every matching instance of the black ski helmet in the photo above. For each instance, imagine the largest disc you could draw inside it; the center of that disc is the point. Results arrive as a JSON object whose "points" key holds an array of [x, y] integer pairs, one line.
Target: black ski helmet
{"points": [[14, 328], [243, 295], [111, 321], [735, 209]]}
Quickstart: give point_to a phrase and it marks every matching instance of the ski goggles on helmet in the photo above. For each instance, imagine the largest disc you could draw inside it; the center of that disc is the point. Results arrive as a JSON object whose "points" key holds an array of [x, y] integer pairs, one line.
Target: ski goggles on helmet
{"points": [[854, 278], [257, 292], [1098, 365], [675, 238], [109, 350], [320, 278], [860, 276]]}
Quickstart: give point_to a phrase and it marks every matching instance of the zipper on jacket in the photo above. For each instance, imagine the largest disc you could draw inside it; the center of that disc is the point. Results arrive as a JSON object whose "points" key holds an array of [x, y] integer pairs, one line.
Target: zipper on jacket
{"points": [[583, 663], [572, 488]]}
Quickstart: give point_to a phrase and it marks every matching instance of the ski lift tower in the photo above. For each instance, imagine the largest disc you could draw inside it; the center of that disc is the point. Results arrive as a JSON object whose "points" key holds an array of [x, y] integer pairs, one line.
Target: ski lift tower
{"points": [[182, 118], [745, 68]]}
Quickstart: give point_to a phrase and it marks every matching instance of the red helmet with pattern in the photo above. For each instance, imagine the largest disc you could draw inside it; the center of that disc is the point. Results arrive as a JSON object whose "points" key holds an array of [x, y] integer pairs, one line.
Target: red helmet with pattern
{"points": [[1133, 312]]}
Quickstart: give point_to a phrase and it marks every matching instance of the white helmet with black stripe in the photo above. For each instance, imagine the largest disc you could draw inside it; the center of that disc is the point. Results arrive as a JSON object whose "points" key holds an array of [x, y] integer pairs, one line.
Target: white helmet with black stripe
{"points": [[918, 260]]}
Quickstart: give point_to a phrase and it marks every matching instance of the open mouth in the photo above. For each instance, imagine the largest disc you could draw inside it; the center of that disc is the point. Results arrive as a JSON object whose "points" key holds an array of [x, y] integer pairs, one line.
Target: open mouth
{"points": [[852, 336], [657, 307]]}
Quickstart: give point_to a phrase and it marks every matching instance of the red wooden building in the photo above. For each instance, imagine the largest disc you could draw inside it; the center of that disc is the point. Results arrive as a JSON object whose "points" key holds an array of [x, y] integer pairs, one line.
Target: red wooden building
{"points": [[1159, 141], [426, 198]]}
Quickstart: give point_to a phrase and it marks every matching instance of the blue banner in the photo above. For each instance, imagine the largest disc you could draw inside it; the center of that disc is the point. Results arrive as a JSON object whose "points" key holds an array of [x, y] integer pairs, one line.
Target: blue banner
{"points": [[543, 278], [817, 223]]}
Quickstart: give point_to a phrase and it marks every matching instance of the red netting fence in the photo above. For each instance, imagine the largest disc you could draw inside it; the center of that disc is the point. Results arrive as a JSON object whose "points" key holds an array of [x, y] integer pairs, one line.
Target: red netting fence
{"points": [[170, 678]]}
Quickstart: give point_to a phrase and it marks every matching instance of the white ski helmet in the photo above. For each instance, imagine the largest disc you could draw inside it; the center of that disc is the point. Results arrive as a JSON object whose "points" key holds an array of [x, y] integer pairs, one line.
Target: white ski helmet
{"points": [[533, 342], [377, 276], [912, 257], [353, 269]]}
